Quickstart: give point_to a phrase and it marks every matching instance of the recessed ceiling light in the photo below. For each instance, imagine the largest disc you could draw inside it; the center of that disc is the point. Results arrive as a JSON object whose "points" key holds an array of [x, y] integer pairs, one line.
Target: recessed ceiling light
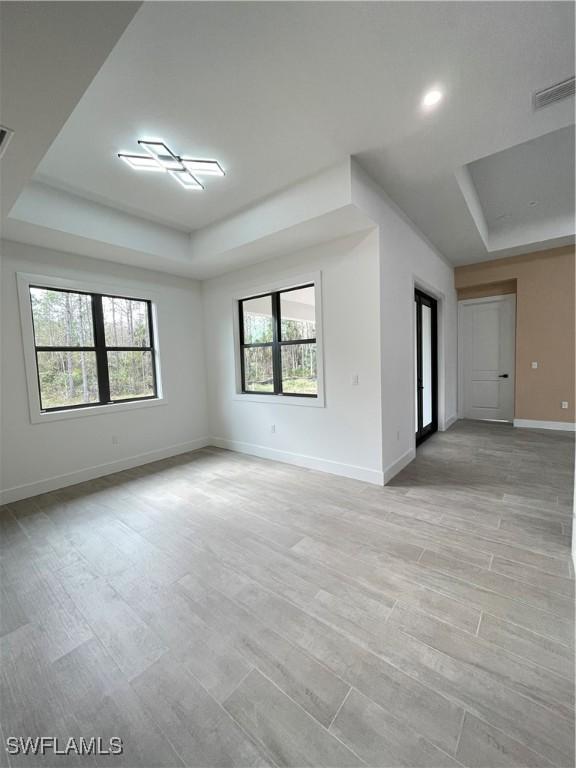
{"points": [[503, 216], [533, 203], [161, 158], [432, 98]]}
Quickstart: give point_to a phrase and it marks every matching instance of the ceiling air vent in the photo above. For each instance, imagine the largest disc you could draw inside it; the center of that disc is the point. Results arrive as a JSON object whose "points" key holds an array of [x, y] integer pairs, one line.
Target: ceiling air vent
{"points": [[5, 136], [555, 93]]}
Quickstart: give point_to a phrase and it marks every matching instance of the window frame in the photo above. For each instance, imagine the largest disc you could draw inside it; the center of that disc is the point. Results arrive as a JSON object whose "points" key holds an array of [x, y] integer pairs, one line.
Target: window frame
{"points": [[274, 290], [97, 292]]}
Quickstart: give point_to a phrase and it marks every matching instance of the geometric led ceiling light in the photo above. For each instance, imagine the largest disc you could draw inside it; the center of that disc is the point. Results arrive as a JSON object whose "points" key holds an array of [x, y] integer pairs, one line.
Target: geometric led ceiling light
{"points": [[160, 158]]}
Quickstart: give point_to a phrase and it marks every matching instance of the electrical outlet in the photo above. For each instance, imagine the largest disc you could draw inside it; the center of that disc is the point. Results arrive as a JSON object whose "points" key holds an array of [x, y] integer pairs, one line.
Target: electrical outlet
{"points": [[535, 364], [564, 404], [115, 440], [398, 435], [273, 428]]}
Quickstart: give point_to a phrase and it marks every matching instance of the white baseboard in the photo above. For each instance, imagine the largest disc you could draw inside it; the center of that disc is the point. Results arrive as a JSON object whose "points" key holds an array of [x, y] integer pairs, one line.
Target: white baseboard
{"points": [[373, 476], [397, 466], [565, 426], [448, 422], [91, 473]]}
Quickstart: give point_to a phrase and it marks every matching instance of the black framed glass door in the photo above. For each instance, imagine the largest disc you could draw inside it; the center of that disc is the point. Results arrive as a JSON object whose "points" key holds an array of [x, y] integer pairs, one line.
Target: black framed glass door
{"points": [[426, 365]]}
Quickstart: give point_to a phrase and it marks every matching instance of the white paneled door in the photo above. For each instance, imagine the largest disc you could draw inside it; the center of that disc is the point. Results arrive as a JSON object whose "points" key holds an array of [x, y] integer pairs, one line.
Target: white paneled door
{"points": [[487, 331]]}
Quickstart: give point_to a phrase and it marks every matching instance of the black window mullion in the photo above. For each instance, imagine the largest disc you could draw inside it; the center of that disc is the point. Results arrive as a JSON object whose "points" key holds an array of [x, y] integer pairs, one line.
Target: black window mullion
{"points": [[152, 350], [65, 349], [297, 341], [241, 319], [101, 354], [38, 379], [241, 332], [129, 349], [276, 351]]}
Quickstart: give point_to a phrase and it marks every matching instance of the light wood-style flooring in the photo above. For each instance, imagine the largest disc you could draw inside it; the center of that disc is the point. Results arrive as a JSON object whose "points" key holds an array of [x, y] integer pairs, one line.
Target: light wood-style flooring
{"points": [[216, 610]]}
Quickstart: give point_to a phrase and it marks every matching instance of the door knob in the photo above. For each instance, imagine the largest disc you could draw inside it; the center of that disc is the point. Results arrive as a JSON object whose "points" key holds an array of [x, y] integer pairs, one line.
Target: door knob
{"points": [[503, 376]]}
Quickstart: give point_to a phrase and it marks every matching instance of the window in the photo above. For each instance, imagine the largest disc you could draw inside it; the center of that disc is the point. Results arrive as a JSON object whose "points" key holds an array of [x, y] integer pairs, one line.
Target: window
{"points": [[278, 350], [91, 349]]}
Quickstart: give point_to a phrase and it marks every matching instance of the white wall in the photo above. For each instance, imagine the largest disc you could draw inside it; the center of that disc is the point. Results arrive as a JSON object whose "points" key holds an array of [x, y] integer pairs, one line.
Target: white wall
{"points": [[343, 436], [42, 456], [364, 431], [307, 201], [46, 206], [377, 310], [406, 260]]}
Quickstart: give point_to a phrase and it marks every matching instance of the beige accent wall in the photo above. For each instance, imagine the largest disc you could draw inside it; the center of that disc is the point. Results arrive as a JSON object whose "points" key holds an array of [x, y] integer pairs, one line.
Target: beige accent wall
{"points": [[545, 326]]}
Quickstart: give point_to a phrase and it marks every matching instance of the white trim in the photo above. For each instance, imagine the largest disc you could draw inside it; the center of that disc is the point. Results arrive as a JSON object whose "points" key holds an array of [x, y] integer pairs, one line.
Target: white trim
{"points": [[448, 423], [42, 417], [397, 466], [565, 426], [484, 299], [420, 284], [352, 471], [278, 285], [91, 284], [37, 416], [307, 402], [574, 543], [90, 473], [574, 526]]}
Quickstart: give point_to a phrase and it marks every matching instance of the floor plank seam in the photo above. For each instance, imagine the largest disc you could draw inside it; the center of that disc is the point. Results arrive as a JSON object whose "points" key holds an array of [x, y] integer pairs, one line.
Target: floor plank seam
{"points": [[460, 732], [569, 647], [286, 639], [457, 579], [460, 702], [477, 633], [356, 642], [348, 692], [360, 644], [308, 715]]}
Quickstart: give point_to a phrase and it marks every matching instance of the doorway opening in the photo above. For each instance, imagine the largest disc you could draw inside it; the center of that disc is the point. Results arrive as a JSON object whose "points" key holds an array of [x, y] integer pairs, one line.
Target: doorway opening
{"points": [[426, 365]]}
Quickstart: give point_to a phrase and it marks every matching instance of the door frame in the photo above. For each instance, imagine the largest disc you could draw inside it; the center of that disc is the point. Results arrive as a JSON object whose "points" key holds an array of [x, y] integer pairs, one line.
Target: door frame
{"points": [[420, 298], [483, 300]]}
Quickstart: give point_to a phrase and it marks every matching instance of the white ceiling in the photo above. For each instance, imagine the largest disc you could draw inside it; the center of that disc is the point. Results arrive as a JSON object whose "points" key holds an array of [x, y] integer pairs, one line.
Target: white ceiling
{"points": [[278, 91], [46, 65], [528, 186]]}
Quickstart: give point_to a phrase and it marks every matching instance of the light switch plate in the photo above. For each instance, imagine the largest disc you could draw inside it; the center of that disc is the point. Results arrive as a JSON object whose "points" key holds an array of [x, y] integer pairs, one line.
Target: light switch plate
{"points": [[564, 404], [535, 364]]}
